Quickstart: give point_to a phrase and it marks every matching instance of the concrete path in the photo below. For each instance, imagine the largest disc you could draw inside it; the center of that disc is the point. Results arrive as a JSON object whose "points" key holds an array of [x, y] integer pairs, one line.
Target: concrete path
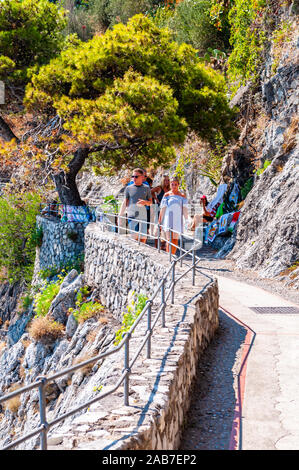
{"points": [[269, 379]]}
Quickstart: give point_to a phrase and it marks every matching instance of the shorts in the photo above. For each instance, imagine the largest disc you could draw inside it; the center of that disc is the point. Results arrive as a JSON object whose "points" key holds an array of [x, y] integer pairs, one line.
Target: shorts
{"points": [[137, 225]]}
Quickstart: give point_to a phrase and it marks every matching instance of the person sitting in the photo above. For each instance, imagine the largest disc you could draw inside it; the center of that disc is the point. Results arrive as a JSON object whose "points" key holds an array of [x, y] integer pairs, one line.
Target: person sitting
{"points": [[205, 217]]}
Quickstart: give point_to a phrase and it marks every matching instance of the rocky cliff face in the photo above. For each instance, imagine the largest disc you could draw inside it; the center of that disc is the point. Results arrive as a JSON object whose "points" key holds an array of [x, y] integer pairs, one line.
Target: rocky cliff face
{"points": [[267, 238], [23, 359]]}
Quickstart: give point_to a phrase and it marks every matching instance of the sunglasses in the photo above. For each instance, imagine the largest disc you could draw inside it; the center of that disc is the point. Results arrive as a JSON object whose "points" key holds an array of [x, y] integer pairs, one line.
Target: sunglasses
{"points": [[135, 176]]}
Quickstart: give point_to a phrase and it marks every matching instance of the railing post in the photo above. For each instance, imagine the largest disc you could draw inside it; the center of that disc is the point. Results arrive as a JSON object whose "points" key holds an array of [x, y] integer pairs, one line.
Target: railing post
{"points": [[163, 302], [170, 244], [193, 263], [127, 368], [139, 229], [159, 238], [42, 411], [173, 282], [181, 250], [149, 329]]}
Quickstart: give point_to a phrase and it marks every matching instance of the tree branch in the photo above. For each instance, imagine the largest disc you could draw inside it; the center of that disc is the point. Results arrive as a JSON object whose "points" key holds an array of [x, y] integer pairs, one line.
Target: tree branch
{"points": [[5, 131]]}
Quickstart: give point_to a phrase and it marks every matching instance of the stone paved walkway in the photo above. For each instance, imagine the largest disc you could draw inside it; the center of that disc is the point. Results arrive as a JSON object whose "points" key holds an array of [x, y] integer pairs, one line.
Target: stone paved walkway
{"points": [[268, 382]]}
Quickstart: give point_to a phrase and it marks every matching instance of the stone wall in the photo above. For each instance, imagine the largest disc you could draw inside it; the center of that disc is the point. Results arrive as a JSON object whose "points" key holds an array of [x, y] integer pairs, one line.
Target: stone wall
{"points": [[159, 387], [114, 269], [62, 242]]}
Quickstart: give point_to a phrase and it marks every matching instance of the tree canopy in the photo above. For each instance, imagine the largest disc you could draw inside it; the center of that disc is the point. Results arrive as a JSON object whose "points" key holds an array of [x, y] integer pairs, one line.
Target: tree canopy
{"points": [[123, 98], [31, 33]]}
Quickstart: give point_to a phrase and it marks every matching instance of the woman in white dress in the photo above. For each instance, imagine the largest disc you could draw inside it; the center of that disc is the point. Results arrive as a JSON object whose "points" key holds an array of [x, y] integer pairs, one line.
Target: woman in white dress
{"points": [[173, 209]]}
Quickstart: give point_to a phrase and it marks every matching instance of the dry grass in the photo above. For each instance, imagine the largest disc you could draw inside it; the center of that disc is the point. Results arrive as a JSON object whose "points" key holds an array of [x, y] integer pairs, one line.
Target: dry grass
{"points": [[14, 403], [288, 271], [281, 39], [45, 330], [92, 335], [290, 135], [2, 345], [26, 342], [87, 368]]}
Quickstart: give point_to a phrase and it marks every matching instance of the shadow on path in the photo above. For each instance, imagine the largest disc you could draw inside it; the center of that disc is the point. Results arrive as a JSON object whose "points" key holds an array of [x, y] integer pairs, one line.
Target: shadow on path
{"points": [[212, 410]]}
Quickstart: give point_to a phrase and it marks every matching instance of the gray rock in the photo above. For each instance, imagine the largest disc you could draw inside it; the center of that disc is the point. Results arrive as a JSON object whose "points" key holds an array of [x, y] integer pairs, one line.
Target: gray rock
{"points": [[71, 326], [66, 297], [18, 325]]}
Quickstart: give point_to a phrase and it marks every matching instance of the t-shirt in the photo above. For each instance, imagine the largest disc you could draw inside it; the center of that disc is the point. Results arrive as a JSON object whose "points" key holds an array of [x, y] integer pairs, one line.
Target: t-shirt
{"points": [[133, 193], [132, 182]]}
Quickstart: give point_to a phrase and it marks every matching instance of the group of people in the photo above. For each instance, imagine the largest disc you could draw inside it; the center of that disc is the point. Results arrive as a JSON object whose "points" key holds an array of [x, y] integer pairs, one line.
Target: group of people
{"points": [[171, 204]]}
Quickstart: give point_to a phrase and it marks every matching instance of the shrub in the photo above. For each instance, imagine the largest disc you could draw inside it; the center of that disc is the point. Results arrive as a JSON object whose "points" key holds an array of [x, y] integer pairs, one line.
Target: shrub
{"points": [[30, 34], [260, 171], [246, 188], [26, 301], [37, 236], [247, 39], [45, 330], [85, 310], [17, 240], [44, 298], [191, 24], [135, 307]]}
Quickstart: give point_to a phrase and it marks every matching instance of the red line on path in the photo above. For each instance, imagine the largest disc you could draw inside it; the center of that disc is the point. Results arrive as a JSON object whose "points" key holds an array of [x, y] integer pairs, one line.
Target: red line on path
{"points": [[235, 438]]}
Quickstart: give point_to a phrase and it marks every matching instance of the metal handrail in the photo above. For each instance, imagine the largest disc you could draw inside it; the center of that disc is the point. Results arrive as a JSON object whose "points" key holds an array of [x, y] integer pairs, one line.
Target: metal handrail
{"points": [[41, 381]]}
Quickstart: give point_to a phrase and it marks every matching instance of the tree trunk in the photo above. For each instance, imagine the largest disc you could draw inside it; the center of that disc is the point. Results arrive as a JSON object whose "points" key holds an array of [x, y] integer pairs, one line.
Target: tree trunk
{"points": [[65, 183], [5, 131]]}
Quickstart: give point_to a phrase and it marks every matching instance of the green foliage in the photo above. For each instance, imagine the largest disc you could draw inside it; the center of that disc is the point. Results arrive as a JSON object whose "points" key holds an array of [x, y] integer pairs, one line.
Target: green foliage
{"points": [[85, 309], [210, 166], [103, 14], [280, 37], [191, 23], [110, 205], [37, 236], [76, 263], [135, 307], [161, 16], [30, 35], [247, 39], [246, 188], [260, 171], [17, 234], [44, 298], [130, 94], [26, 302], [122, 10]]}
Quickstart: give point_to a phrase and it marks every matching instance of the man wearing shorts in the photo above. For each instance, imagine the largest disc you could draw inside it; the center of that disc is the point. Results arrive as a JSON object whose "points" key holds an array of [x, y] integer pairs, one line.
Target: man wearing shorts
{"points": [[137, 196]]}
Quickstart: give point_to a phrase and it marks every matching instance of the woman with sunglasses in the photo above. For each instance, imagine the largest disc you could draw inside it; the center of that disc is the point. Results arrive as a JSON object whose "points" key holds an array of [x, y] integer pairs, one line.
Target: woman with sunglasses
{"points": [[173, 209]]}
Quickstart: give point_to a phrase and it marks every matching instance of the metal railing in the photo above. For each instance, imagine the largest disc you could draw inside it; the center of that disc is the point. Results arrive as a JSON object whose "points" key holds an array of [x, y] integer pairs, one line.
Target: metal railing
{"points": [[152, 319]]}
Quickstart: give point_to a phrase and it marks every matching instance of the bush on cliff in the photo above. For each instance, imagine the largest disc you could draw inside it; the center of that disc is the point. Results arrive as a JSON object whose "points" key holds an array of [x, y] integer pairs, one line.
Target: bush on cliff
{"points": [[17, 235], [45, 330]]}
